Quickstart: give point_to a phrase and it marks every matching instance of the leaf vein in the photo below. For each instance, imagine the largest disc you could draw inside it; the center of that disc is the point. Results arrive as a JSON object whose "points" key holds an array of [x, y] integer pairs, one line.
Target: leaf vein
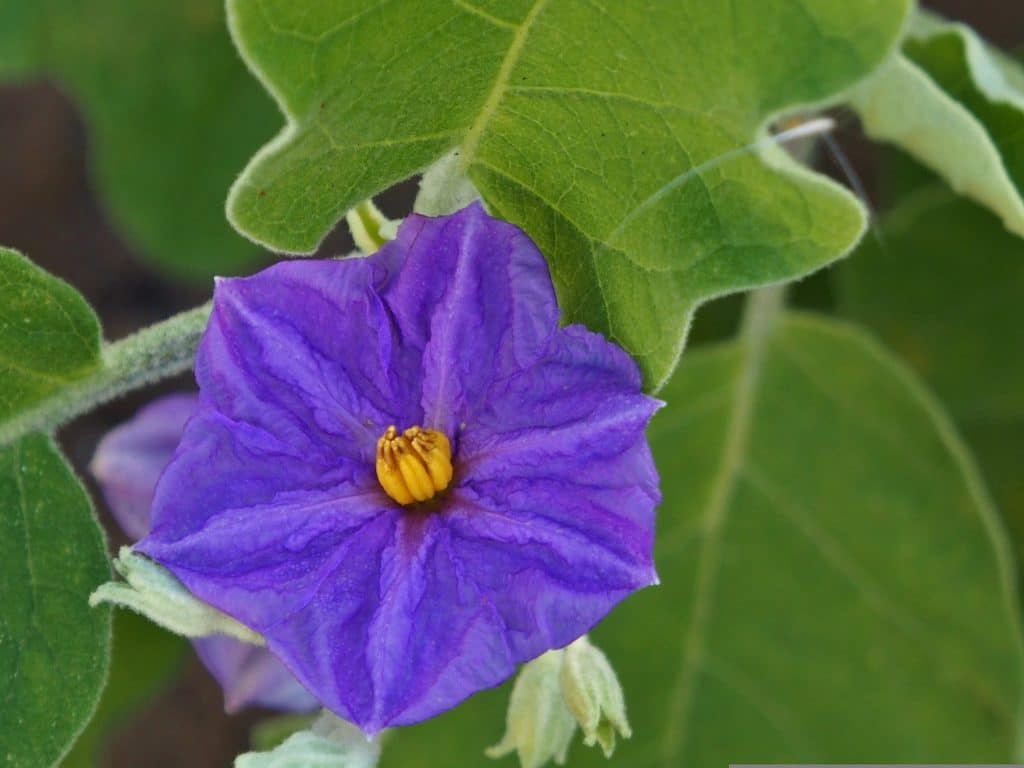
{"points": [[490, 107], [723, 486], [481, 13]]}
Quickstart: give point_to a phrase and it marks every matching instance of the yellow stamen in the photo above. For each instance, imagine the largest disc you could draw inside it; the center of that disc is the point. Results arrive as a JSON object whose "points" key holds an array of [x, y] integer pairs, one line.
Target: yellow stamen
{"points": [[413, 466]]}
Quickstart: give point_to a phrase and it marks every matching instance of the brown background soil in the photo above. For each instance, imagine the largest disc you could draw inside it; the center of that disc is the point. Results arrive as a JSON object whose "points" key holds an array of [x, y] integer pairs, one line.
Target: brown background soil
{"points": [[48, 210]]}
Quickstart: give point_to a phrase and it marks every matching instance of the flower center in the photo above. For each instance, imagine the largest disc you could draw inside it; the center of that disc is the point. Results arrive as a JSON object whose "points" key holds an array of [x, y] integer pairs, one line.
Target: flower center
{"points": [[415, 465]]}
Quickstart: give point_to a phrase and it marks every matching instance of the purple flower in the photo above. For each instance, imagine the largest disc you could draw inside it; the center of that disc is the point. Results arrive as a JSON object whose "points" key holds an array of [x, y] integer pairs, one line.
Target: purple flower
{"points": [[129, 459], [519, 505], [127, 464], [252, 676]]}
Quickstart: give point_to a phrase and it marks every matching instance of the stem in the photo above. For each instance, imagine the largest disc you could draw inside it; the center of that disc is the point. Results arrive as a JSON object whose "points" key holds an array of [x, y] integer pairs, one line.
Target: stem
{"points": [[760, 311], [366, 223], [152, 354]]}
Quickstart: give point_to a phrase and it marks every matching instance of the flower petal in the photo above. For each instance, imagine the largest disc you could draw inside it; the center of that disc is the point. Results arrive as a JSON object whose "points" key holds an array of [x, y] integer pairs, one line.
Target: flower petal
{"points": [[221, 464], [252, 676], [307, 352], [129, 459], [400, 635], [550, 581], [556, 505], [475, 296], [247, 523], [367, 608]]}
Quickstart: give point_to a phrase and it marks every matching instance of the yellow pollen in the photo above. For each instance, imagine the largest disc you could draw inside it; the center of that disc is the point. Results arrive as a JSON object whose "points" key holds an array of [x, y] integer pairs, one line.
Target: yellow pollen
{"points": [[415, 465]]}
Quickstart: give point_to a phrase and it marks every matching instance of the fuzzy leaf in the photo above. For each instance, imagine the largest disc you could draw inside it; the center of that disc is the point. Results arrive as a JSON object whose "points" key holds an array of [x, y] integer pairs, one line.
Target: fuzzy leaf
{"points": [[49, 336], [621, 136], [835, 586], [54, 648], [171, 112], [957, 105]]}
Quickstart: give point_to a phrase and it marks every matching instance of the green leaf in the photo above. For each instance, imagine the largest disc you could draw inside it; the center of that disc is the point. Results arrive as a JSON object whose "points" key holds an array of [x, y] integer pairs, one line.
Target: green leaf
{"points": [[49, 336], [54, 648], [957, 105], [623, 138], [171, 111], [1000, 451], [943, 287], [835, 586], [145, 661]]}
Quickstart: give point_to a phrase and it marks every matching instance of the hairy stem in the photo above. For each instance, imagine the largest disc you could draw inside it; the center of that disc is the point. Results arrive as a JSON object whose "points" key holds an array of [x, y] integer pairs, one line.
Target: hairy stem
{"points": [[760, 312], [152, 354]]}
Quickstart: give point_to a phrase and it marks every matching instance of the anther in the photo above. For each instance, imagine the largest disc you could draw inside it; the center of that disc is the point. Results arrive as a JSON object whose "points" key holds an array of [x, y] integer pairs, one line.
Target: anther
{"points": [[415, 465]]}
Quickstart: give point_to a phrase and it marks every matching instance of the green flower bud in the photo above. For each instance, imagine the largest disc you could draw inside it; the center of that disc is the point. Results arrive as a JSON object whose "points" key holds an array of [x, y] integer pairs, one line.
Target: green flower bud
{"points": [[593, 695], [539, 725], [554, 693]]}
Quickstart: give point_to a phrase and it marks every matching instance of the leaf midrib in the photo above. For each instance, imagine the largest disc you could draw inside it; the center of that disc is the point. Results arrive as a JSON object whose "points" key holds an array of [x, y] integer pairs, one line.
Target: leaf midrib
{"points": [[753, 343], [472, 138]]}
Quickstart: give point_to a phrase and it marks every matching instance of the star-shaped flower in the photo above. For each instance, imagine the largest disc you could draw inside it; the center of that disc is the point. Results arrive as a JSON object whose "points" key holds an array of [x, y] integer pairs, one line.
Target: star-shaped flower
{"points": [[404, 474]]}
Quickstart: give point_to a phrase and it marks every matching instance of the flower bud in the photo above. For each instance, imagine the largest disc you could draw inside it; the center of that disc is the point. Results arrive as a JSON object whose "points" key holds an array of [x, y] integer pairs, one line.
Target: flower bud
{"points": [[538, 726], [554, 693], [593, 695]]}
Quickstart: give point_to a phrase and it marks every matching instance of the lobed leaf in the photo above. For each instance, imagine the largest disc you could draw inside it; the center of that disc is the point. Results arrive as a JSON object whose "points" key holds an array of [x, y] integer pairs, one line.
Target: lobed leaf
{"points": [[957, 105], [54, 648], [49, 335], [835, 586], [625, 138], [171, 112]]}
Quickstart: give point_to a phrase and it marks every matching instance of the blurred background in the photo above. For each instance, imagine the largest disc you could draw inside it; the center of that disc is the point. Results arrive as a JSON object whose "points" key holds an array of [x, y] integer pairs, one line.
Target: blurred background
{"points": [[164, 709]]}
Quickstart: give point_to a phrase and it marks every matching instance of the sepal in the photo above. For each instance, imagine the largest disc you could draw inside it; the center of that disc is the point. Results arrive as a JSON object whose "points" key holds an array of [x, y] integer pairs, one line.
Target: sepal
{"points": [[151, 590], [329, 743]]}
